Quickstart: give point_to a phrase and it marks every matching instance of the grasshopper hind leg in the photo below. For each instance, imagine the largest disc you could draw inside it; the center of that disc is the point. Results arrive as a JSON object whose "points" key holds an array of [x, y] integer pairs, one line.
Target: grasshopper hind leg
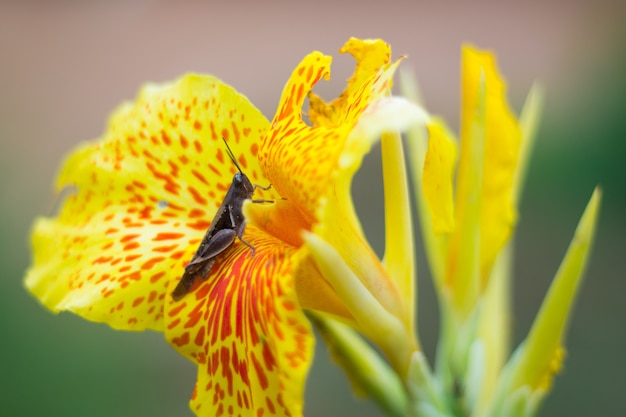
{"points": [[190, 278]]}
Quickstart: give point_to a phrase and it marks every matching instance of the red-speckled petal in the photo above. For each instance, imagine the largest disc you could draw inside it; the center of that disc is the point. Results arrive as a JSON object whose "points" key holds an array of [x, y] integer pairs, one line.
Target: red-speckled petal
{"points": [[371, 55], [141, 199], [301, 160], [244, 328]]}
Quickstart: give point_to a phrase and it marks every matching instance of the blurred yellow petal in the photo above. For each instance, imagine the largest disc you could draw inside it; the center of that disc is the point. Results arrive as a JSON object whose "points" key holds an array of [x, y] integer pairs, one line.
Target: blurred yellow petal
{"points": [[463, 281], [438, 176], [495, 321], [485, 183], [502, 142]]}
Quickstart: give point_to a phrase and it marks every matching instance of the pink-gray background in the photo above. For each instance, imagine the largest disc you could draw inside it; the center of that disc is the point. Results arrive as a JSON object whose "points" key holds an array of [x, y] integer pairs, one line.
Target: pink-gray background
{"points": [[64, 65]]}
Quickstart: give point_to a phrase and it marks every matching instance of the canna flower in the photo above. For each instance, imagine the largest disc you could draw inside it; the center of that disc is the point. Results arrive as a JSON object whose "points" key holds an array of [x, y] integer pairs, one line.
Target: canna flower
{"points": [[140, 199], [468, 211]]}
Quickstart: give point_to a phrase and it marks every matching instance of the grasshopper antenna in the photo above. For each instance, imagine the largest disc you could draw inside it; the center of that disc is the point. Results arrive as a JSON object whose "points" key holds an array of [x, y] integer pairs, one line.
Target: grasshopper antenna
{"points": [[231, 155]]}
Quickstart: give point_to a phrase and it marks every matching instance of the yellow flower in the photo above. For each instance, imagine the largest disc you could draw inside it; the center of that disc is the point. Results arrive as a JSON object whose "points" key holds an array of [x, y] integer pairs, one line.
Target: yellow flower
{"points": [[467, 225], [143, 195]]}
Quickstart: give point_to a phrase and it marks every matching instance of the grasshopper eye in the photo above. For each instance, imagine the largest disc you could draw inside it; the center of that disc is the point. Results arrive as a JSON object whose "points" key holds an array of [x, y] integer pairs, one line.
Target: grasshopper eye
{"points": [[247, 184]]}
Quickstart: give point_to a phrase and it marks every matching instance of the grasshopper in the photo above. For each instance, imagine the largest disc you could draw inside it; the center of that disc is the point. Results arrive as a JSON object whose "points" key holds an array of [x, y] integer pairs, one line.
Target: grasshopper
{"points": [[227, 225]]}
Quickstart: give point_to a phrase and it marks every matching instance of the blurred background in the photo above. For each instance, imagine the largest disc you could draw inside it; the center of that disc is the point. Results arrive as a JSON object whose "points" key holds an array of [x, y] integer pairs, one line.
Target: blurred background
{"points": [[65, 65]]}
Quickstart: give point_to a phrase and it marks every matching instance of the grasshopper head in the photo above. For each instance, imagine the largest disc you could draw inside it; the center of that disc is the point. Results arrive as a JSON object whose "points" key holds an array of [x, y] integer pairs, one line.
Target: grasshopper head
{"points": [[244, 187]]}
